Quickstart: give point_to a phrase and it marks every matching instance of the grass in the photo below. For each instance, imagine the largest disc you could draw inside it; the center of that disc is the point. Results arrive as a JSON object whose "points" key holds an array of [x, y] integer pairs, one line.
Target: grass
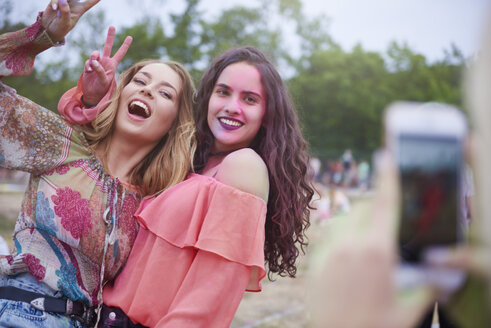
{"points": [[6, 228], [10, 206]]}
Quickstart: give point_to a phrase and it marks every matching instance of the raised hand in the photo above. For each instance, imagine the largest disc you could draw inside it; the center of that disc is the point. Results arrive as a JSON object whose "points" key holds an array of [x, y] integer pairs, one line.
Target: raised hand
{"points": [[355, 269], [61, 16], [99, 71]]}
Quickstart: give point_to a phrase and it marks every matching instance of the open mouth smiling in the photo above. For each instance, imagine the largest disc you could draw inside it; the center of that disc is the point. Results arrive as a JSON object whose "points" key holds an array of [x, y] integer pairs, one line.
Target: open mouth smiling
{"points": [[138, 108], [230, 122]]}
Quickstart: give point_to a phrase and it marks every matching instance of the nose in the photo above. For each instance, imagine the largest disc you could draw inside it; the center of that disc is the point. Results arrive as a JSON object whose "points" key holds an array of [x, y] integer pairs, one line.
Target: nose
{"points": [[147, 91], [233, 107]]}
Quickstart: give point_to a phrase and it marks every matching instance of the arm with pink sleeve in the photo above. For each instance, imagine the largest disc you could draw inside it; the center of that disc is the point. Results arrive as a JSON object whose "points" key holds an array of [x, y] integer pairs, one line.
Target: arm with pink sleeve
{"points": [[97, 82], [74, 111], [19, 49]]}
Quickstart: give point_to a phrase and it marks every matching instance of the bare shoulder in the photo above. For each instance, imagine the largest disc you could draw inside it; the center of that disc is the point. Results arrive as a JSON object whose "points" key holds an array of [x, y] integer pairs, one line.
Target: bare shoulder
{"points": [[245, 170]]}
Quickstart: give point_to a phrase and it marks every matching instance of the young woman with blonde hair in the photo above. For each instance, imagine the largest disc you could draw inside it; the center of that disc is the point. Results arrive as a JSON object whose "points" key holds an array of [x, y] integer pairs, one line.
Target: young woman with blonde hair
{"points": [[157, 171], [76, 226]]}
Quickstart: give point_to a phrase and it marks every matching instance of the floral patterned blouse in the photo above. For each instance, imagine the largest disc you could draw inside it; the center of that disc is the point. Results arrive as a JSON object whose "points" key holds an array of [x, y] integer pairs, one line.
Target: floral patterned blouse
{"points": [[76, 227]]}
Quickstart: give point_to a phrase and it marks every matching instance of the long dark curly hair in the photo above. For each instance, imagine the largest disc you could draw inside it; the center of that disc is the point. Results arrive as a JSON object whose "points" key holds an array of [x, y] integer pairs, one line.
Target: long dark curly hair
{"points": [[281, 145]]}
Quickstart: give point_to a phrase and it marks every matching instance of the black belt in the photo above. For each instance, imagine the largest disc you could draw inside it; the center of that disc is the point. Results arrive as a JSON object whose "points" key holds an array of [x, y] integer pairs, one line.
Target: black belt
{"points": [[76, 310]]}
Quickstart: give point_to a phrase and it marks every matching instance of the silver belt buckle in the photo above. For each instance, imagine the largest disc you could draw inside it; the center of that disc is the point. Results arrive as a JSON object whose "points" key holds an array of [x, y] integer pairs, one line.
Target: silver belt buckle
{"points": [[38, 303], [69, 306]]}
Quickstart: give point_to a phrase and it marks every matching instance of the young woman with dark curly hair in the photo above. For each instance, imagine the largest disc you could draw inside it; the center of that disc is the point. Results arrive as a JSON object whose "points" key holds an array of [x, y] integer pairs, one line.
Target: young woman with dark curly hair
{"points": [[205, 241], [280, 145]]}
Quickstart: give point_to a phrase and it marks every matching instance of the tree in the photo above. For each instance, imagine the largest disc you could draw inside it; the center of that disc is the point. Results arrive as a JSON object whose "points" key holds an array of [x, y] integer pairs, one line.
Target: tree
{"points": [[340, 97], [414, 79], [5, 10], [148, 41], [185, 44], [240, 26]]}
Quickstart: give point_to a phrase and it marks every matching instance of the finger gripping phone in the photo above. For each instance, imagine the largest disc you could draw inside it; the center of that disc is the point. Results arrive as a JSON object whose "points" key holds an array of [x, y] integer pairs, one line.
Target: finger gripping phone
{"points": [[427, 140]]}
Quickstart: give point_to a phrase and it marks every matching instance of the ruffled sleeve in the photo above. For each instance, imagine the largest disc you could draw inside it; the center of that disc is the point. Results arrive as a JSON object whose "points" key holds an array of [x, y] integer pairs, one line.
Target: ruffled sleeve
{"points": [[19, 49], [71, 108], [221, 220]]}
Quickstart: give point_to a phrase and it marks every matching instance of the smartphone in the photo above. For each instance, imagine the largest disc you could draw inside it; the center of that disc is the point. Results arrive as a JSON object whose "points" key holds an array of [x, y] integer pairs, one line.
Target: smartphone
{"points": [[427, 141]]}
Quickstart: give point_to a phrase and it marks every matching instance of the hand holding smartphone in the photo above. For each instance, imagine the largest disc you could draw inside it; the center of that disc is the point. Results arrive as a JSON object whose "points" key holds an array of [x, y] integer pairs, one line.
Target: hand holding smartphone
{"points": [[427, 141]]}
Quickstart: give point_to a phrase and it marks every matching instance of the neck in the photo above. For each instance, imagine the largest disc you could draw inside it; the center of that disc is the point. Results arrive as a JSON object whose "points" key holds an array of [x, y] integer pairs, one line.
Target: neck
{"points": [[212, 163], [122, 156]]}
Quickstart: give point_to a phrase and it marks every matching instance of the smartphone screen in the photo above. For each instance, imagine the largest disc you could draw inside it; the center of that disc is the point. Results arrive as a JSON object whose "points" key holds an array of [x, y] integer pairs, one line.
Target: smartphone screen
{"points": [[430, 171]]}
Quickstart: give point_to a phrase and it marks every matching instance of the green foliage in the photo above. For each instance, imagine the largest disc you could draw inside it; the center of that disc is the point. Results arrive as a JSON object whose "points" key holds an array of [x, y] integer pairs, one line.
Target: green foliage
{"points": [[5, 9], [241, 26], [290, 8], [41, 87], [148, 41], [89, 34], [340, 97], [414, 79], [184, 45]]}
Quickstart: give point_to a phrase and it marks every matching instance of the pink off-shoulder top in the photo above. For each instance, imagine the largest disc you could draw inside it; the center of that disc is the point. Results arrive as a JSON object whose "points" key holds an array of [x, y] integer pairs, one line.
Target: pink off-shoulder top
{"points": [[199, 248]]}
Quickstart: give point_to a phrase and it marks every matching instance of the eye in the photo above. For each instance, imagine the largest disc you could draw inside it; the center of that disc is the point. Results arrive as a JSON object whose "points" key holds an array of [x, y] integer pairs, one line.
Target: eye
{"points": [[166, 94], [251, 100], [138, 81], [222, 91]]}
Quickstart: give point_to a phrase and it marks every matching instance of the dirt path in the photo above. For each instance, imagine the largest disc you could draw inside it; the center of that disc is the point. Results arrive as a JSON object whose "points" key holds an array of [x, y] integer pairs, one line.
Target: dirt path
{"points": [[283, 302], [280, 304]]}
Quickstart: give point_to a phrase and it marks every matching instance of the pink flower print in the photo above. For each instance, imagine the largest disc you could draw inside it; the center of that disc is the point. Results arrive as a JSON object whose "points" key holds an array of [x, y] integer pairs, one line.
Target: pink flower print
{"points": [[26, 209], [63, 169], [73, 211], [20, 61], [35, 268], [77, 163], [33, 30], [128, 222], [10, 259], [49, 173]]}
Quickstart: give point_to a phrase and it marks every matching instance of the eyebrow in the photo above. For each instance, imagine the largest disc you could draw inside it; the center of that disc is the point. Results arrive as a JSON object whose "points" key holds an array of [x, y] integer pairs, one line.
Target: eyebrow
{"points": [[163, 82], [223, 85]]}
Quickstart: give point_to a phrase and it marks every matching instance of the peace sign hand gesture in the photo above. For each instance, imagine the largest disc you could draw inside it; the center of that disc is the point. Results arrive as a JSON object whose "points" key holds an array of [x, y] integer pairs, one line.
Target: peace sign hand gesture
{"points": [[99, 71]]}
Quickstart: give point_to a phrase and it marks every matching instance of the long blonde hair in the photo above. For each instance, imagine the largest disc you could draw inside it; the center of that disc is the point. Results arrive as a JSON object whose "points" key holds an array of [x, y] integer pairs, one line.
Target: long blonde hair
{"points": [[170, 160]]}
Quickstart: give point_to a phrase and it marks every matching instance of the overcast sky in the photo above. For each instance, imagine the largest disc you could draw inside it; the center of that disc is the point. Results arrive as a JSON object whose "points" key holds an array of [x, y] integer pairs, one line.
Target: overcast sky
{"points": [[428, 26]]}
